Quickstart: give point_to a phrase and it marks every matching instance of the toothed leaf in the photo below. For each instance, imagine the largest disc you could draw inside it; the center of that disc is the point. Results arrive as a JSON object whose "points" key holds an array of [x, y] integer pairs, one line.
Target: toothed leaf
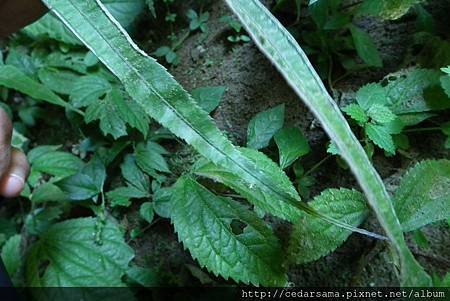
{"points": [[313, 238], [423, 196], [203, 221], [67, 255]]}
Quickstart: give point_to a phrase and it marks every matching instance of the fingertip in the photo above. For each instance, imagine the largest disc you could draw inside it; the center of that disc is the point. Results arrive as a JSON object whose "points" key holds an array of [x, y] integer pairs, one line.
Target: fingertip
{"points": [[12, 186], [13, 181]]}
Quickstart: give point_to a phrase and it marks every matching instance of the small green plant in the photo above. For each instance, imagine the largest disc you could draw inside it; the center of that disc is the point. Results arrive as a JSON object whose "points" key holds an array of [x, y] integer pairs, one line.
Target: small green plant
{"points": [[197, 22], [237, 36], [386, 115], [332, 38]]}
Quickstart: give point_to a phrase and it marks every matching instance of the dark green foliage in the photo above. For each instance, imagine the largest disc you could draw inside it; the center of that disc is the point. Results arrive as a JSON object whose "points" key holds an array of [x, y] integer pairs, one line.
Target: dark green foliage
{"points": [[116, 157]]}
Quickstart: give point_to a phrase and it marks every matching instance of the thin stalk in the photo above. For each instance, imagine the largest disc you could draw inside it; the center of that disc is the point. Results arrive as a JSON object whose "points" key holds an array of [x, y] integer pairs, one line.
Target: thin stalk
{"points": [[419, 130], [317, 165]]}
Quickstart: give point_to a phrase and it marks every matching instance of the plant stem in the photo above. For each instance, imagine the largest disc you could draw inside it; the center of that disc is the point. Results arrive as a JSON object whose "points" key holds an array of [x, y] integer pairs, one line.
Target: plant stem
{"points": [[317, 165], [432, 129], [101, 220], [180, 42]]}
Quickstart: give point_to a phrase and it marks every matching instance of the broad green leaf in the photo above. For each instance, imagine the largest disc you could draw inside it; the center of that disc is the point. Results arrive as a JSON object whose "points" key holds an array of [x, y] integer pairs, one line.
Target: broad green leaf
{"points": [[405, 93], [162, 202], [333, 149], [411, 119], [371, 94], [423, 196], [444, 282], [365, 47], [58, 81], [109, 115], [67, 256], [146, 211], [436, 98], [41, 219], [387, 9], [19, 57], [381, 137], [284, 52], [445, 82], [8, 226], [356, 112], [319, 12], [125, 11], [264, 126], [445, 128], [108, 154], [269, 203], [203, 222], [144, 276], [13, 78], [116, 110], [208, 98], [131, 112], [122, 196], [10, 254], [133, 175], [79, 187], [48, 192], [41, 150], [160, 96], [381, 114], [49, 27], [18, 140], [291, 145], [149, 157], [74, 61], [313, 238], [88, 89], [421, 240], [56, 163], [87, 183]]}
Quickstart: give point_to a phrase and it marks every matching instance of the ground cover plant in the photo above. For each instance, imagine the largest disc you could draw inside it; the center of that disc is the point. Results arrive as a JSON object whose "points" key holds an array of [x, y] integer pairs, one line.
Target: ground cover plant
{"points": [[119, 149]]}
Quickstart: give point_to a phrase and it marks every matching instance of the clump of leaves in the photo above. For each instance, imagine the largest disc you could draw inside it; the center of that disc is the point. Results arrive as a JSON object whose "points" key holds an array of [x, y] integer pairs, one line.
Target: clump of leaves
{"points": [[332, 38], [197, 22], [237, 35], [387, 9], [386, 110]]}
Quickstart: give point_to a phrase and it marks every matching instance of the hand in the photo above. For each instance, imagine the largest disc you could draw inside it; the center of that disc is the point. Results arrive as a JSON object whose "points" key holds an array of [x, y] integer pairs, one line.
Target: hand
{"points": [[14, 167], [15, 14]]}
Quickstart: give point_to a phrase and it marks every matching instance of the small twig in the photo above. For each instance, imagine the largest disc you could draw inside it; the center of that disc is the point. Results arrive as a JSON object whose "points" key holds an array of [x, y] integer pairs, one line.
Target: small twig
{"points": [[143, 230], [317, 165]]}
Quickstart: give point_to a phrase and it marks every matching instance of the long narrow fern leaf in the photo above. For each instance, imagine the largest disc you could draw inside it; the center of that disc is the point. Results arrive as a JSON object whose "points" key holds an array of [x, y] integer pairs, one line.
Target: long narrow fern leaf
{"points": [[285, 53], [162, 98]]}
